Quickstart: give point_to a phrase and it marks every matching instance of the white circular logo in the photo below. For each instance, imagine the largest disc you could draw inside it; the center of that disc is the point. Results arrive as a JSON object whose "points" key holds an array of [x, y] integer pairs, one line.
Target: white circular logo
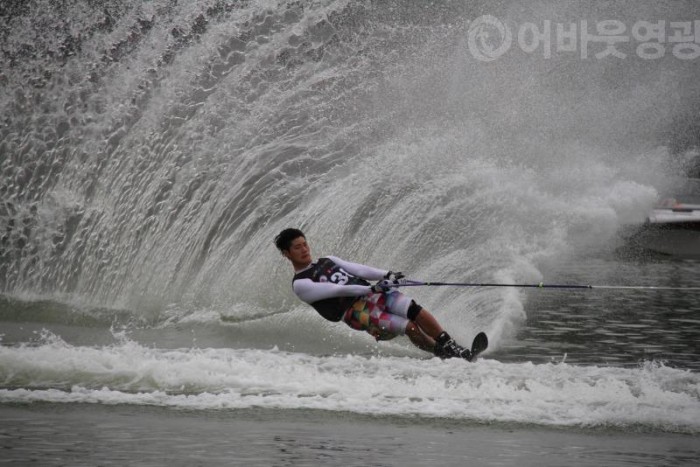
{"points": [[488, 38], [339, 278]]}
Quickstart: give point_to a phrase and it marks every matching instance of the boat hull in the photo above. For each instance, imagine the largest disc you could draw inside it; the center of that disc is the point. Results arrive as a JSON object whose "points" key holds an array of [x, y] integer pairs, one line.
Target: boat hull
{"points": [[680, 239]]}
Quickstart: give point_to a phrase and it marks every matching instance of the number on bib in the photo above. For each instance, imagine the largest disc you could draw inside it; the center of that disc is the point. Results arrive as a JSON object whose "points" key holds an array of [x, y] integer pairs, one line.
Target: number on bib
{"points": [[339, 278]]}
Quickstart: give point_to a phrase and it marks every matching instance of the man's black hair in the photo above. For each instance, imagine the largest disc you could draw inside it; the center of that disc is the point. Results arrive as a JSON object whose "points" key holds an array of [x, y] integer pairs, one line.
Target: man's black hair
{"points": [[285, 238]]}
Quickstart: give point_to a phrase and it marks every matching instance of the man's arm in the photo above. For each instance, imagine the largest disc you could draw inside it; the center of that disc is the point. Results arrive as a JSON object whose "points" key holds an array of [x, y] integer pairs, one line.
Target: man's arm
{"points": [[310, 291], [360, 270]]}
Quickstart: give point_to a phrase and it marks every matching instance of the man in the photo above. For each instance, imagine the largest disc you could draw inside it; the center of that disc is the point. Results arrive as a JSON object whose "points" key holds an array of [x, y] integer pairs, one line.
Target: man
{"points": [[339, 290]]}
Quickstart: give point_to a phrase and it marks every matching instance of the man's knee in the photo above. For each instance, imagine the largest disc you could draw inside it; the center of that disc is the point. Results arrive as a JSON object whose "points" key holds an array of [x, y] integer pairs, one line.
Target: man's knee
{"points": [[413, 310]]}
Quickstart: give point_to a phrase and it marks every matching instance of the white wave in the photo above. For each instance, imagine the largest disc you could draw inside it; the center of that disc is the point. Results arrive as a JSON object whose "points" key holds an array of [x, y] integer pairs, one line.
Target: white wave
{"points": [[653, 396]]}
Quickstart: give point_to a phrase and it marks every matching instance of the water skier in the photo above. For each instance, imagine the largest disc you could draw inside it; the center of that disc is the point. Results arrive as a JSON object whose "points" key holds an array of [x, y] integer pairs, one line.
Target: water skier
{"points": [[339, 290]]}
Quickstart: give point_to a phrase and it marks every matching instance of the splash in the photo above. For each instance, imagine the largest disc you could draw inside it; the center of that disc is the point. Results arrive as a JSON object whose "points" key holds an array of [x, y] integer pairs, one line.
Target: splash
{"points": [[151, 151]]}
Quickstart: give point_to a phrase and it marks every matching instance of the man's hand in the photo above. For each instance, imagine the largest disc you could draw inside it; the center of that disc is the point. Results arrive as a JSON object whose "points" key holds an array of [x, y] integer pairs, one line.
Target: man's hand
{"points": [[382, 286], [394, 276]]}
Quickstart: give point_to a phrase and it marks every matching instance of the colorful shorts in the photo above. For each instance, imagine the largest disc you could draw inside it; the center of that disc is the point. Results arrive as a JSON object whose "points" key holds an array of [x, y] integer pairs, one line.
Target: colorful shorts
{"points": [[383, 315]]}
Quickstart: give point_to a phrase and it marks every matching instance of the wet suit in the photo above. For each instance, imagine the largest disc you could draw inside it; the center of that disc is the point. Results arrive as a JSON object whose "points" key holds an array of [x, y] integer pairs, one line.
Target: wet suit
{"points": [[339, 290]]}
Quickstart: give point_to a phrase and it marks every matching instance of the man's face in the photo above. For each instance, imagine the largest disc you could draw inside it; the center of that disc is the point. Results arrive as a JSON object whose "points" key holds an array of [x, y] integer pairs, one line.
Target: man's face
{"points": [[299, 252]]}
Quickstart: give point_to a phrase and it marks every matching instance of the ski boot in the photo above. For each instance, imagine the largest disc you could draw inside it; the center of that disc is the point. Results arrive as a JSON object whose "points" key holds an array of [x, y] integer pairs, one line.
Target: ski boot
{"points": [[446, 347]]}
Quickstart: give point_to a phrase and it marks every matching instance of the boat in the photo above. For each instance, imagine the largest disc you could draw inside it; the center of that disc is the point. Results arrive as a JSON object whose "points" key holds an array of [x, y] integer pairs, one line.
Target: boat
{"points": [[673, 226]]}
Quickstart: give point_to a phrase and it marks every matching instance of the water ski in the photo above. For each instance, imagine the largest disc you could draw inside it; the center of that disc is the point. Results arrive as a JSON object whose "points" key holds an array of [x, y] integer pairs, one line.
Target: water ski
{"points": [[479, 344]]}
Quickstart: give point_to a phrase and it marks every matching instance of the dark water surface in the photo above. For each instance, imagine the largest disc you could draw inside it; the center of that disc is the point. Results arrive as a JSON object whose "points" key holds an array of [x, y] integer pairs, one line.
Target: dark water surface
{"points": [[616, 327], [88, 435]]}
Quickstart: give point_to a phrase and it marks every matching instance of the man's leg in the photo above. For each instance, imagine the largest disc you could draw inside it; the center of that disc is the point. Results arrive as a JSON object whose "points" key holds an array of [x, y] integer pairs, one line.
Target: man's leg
{"points": [[423, 329], [443, 345], [419, 338], [428, 324]]}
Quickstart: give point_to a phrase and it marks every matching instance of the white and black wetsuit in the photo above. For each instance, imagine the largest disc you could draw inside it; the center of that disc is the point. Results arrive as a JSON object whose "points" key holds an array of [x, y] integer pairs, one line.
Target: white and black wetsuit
{"points": [[331, 285]]}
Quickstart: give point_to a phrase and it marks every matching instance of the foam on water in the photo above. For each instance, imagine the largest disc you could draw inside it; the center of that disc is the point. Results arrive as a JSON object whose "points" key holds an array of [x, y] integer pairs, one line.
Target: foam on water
{"points": [[651, 396]]}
